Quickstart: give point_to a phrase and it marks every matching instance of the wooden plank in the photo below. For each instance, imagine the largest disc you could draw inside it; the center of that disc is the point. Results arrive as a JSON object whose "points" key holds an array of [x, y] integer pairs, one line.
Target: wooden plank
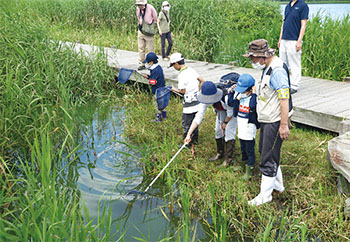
{"points": [[318, 103]]}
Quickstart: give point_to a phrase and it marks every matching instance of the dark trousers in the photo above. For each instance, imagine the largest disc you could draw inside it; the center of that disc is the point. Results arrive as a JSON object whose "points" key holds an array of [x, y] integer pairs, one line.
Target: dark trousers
{"points": [[170, 43], [186, 124], [248, 151], [270, 148]]}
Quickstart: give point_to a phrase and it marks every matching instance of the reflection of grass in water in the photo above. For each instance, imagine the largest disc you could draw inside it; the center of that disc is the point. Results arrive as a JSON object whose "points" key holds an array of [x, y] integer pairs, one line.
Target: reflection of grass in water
{"points": [[310, 197]]}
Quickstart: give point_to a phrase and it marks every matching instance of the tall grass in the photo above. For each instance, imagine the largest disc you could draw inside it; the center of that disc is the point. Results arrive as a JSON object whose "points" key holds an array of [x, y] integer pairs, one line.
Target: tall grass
{"points": [[40, 80], [40, 84]]}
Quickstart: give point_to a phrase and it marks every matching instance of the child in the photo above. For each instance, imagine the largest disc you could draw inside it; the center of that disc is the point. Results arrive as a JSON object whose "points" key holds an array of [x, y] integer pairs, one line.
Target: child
{"points": [[156, 79], [189, 84], [163, 24], [245, 109]]}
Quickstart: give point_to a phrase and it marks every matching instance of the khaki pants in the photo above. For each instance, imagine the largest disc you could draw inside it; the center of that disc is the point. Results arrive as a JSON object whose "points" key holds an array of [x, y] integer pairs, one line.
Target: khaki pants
{"points": [[144, 42]]}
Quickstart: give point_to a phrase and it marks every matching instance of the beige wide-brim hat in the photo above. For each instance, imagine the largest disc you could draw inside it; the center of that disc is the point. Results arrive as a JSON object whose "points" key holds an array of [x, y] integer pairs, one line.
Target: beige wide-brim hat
{"points": [[140, 2], [259, 48]]}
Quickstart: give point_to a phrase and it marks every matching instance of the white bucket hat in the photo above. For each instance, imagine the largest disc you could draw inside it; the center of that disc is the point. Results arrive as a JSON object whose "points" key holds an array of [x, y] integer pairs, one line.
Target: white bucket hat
{"points": [[141, 2], [165, 3]]}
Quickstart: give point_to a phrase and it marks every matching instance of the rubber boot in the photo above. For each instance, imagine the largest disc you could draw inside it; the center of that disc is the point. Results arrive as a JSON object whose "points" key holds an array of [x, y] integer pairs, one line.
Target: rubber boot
{"points": [[279, 181], [164, 115], [158, 118], [229, 146], [220, 150], [266, 188], [248, 172]]}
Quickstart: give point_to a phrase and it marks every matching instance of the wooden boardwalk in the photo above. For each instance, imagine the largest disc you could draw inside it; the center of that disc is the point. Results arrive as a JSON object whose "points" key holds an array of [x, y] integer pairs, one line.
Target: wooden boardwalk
{"points": [[319, 103]]}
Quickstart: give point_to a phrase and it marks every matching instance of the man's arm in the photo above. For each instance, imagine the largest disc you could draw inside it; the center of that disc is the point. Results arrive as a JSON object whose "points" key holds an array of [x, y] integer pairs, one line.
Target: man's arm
{"points": [[279, 41], [301, 34], [284, 108]]}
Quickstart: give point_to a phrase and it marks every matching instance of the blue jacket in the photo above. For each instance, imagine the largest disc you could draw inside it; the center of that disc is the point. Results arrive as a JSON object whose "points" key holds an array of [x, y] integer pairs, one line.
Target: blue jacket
{"points": [[157, 75]]}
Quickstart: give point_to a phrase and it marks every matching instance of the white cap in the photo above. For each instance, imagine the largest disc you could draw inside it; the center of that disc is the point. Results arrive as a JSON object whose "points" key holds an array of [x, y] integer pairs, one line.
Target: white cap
{"points": [[141, 2], [176, 57], [165, 3]]}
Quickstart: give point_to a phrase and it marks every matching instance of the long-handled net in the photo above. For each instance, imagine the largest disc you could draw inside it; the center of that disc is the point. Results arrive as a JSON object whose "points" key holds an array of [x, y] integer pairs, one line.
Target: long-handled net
{"points": [[124, 75], [154, 180]]}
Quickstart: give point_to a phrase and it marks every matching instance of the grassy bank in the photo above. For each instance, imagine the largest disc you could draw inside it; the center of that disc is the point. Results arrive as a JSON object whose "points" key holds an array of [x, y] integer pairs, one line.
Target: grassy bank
{"points": [[310, 207], [221, 36], [41, 83]]}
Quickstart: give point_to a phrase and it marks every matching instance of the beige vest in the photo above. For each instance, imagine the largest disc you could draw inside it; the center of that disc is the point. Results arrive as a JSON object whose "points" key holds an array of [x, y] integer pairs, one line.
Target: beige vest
{"points": [[268, 105]]}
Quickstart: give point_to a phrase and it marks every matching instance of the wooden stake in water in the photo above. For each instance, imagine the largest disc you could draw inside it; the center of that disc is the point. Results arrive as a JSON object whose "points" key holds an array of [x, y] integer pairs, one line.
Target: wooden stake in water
{"points": [[183, 146]]}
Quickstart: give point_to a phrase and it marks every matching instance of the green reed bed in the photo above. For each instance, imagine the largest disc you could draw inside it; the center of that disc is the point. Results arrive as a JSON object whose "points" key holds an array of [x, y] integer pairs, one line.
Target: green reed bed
{"points": [[40, 84], [310, 207]]}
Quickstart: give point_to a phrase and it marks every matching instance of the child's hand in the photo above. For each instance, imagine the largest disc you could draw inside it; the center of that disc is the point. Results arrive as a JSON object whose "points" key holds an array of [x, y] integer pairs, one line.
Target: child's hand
{"points": [[254, 89], [232, 87]]}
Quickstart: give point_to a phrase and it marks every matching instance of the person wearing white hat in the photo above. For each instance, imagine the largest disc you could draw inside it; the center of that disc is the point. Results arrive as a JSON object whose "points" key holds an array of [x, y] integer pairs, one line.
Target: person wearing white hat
{"points": [[147, 17], [163, 24], [189, 83]]}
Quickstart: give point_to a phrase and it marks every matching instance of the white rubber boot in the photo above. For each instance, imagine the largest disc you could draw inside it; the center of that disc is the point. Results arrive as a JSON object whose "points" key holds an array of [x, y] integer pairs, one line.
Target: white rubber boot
{"points": [[279, 181], [266, 188]]}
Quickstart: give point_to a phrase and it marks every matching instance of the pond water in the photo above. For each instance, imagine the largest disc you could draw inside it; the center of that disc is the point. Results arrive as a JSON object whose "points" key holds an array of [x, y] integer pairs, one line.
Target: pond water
{"points": [[110, 169], [332, 10]]}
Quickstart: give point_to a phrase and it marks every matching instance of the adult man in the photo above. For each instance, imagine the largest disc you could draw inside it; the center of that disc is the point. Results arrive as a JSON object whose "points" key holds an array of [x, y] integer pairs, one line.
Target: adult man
{"points": [[293, 28], [147, 17], [189, 84], [273, 109]]}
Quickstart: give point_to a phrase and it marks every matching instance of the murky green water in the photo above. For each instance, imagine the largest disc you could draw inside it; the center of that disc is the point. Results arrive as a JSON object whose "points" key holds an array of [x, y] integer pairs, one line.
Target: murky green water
{"points": [[110, 169]]}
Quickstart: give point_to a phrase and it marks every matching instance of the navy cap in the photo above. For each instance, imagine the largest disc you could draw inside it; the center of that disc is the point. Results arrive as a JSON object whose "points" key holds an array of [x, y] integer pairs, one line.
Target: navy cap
{"points": [[151, 56], [244, 82]]}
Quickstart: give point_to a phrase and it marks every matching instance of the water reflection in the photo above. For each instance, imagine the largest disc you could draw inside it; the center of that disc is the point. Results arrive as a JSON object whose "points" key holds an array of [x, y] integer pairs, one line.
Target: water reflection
{"points": [[109, 169]]}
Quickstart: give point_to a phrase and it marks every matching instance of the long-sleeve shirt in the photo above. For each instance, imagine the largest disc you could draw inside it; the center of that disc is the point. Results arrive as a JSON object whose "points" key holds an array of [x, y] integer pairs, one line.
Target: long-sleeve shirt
{"points": [[203, 107], [150, 14]]}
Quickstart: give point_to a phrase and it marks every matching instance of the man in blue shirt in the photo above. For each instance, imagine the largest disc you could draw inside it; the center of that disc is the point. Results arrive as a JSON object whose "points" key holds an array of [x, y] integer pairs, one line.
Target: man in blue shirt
{"points": [[293, 28]]}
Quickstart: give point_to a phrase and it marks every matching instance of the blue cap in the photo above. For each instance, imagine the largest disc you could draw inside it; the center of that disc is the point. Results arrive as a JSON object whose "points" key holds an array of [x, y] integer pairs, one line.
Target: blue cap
{"points": [[244, 82], [151, 56]]}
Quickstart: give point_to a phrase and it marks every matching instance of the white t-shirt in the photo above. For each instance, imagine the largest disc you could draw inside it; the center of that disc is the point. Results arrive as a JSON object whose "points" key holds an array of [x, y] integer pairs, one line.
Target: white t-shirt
{"points": [[188, 79]]}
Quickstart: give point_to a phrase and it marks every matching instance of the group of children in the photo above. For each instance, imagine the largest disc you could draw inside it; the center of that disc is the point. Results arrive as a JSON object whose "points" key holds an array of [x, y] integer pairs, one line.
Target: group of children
{"points": [[233, 99]]}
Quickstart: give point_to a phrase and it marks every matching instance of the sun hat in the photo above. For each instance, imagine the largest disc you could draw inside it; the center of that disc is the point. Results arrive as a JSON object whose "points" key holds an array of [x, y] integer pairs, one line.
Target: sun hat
{"points": [[209, 93], [244, 82], [176, 57], [151, 56], [259, 48], [140, 2], [165, 3]]}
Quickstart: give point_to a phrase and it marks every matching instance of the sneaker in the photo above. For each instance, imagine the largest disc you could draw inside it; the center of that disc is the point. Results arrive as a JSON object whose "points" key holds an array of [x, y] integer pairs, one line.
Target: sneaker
{"points": [[292, 91], [165, 58], [142, 67]]}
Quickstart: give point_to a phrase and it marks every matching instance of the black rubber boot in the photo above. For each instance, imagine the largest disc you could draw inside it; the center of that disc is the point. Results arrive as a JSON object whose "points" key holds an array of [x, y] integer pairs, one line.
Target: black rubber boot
{"points": [[229, 147], [220, 150]]}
